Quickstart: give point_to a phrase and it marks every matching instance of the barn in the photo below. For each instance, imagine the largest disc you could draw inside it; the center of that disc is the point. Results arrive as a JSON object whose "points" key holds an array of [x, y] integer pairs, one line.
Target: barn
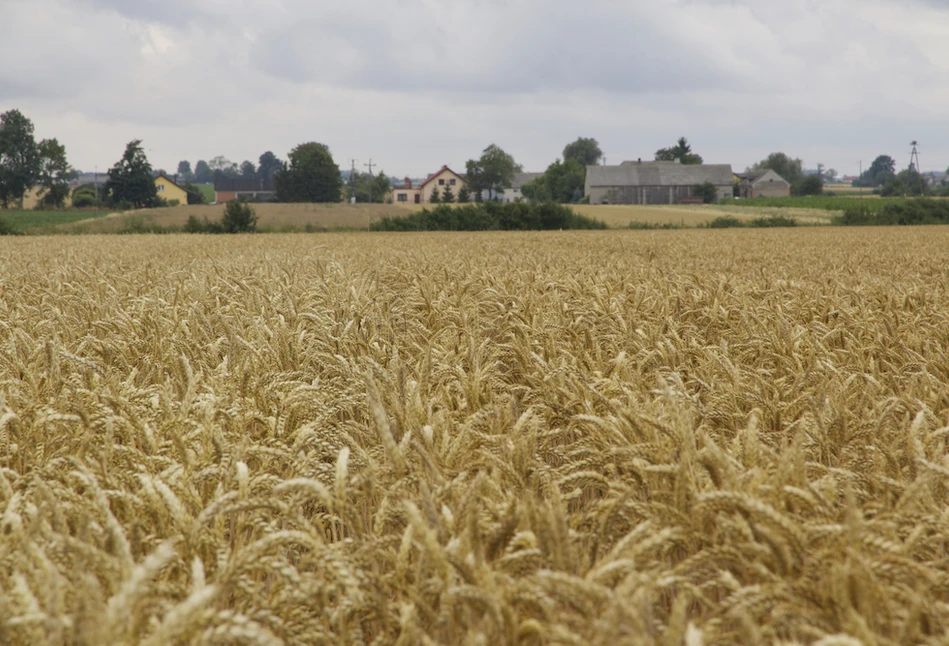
{"points": [[665, 182], [764, 183]]}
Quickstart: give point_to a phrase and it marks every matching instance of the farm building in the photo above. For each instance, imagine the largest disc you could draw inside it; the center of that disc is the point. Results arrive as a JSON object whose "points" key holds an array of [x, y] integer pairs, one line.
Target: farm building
{"points": [[258, 190], [763, 183], [513, 194], [422, 194], [637, 182]]}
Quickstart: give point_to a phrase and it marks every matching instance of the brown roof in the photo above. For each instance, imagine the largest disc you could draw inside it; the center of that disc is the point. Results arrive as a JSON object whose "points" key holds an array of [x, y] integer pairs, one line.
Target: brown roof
{"points": [[439, 172]]}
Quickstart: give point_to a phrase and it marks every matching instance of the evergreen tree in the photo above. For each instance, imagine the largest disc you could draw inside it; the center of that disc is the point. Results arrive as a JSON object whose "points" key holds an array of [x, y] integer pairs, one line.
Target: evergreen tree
{"points": [[448, 196], [131, 180]]}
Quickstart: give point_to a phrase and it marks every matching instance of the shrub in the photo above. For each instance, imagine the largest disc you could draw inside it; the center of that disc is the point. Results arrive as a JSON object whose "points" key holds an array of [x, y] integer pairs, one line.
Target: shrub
{"points": [[485, 216], [239, 217], [7, 228], [725, 222], [707, 192], [773, 221]]}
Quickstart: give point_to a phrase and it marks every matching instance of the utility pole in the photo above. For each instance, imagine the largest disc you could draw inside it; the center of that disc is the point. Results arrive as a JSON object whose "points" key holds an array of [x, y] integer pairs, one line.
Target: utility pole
{"points": [[97, 185], [915, 155], [352, 183], [370, 165], [860, 177]]}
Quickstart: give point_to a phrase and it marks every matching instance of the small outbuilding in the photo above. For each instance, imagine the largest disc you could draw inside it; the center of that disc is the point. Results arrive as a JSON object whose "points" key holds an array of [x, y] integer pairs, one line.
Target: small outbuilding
{"points": [[763, 183]]}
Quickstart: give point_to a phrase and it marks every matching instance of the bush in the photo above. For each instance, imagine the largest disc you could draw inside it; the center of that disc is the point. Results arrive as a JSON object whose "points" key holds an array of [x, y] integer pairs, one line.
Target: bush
{"points": [[900, 213], [487, 216], [707, 192], [725, 222], [239, 217], [7, 228], [774, 221], [194, 225]]}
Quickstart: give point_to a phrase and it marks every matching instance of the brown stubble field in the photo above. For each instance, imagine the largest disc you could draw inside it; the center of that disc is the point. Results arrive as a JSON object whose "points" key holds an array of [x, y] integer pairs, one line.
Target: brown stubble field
{"points": [[718, 437]]}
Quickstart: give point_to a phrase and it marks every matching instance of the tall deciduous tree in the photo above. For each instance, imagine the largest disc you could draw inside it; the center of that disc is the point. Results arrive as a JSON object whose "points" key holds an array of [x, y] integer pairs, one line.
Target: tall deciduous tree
{"points": [[374, 187], [55, 173], [561, 182], [19, 157], [790, 168], [585, 151], [881, 171], [222, 167], [203, 173], [268, 165], [185, 173], [131, 180], [681, 151], [493, 171], [248, 170], [310, 176]]}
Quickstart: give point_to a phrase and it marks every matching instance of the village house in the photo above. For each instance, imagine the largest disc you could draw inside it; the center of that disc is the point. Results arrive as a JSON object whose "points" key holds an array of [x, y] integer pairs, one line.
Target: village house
{"points": [[763, 183], [513, 194], [664, 182], [422, 194], [168, 190], [255, 190]]}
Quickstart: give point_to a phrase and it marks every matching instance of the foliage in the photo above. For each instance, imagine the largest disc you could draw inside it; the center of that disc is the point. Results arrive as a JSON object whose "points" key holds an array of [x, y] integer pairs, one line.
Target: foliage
{"points": [[488, 216], [195, 196], [310, 176], [493, 171], [773, 221], [791, 169], [223, 168], [239, 217], [901, 212], [203, 173], [447, 196], [584, 151], [824, 202], [20, 162], [809, 185], [248, 170], [194, 225], [7, 228], [54, 174], [368, 186], [268, 165], [725, 222], [562, 182], [83, 197], [131, 179], [435, 197], [464, 195], [881, 171], [184, 172], [681, 151], [707, 191]]}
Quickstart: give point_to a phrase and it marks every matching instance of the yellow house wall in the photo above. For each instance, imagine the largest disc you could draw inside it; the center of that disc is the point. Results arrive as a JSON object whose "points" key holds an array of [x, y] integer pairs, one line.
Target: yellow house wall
{"points": [[168, 191], [446, 175]]}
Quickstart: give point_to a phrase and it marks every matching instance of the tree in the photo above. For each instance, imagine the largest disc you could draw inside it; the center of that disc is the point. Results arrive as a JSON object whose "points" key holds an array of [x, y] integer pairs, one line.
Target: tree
{"points": [[791, 169], [448, 196], [681, 151], [881, 171], [248, 170], [195, 196], [19, 157], [131, 180], [493, 172], [707, 192], [310, 176], [184, 171], [269, 165], [239, 217], [222, 167], [562, 182], [464, 195], [371, 188], [435, 197], [55, 173], [584, 151], [810, 185], [203, 173]]}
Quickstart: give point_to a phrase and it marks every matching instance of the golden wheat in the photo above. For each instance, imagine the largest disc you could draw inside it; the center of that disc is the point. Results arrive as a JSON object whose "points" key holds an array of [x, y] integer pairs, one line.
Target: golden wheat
{"points": [[587, 438]]}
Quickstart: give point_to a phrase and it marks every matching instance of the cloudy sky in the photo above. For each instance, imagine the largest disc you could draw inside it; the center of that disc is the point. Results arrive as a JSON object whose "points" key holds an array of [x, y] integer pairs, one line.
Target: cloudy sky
{"points": [[414, 84]]}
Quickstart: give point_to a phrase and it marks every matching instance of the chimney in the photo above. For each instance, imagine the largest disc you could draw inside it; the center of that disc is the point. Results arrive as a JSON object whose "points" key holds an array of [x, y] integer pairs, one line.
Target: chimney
{"points": [[408, 183]]}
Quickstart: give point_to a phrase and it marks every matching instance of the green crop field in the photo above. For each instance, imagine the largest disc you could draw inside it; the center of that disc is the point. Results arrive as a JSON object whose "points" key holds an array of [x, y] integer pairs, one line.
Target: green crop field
{"points": [[44, 221]]}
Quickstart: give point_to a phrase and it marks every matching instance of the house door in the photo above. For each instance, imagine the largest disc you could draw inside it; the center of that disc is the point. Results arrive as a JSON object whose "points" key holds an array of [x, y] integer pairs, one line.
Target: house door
{"points": [[418, 198]]}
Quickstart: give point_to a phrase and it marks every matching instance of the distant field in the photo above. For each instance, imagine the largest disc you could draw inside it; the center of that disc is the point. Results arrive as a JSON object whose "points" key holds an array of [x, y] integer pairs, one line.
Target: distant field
{"points": [[620, 216], [207, 190], [30, 221], [272, 217]]}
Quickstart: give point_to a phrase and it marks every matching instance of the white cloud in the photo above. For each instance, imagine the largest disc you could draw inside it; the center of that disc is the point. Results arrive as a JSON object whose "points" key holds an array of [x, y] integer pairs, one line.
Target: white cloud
{"points": [[418, 83]]}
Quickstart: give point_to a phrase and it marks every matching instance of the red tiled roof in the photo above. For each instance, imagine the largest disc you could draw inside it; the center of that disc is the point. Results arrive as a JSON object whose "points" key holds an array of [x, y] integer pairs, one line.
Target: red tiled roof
{"points": [[439, 172]]}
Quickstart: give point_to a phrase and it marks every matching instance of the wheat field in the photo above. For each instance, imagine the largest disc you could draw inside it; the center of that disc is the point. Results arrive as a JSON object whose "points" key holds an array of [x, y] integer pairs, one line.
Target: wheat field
{"points": [[662, 437]]}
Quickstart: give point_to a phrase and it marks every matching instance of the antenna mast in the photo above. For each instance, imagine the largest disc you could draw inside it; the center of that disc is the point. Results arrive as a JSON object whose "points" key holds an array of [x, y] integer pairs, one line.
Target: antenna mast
{"points": [[914, 155]]}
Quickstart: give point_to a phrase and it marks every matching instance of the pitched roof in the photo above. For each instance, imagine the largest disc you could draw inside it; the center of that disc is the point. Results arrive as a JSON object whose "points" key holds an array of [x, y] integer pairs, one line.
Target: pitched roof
{"points": [[171, 181], [522, 178], [242, 185], [439, 172], [659, 174], [755, 175]]}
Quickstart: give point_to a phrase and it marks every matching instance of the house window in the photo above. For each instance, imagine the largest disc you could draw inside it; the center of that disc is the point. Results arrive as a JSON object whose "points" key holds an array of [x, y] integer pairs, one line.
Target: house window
{"points": [[441, 182], [161, 188], [403, 197], [452, 182]]}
